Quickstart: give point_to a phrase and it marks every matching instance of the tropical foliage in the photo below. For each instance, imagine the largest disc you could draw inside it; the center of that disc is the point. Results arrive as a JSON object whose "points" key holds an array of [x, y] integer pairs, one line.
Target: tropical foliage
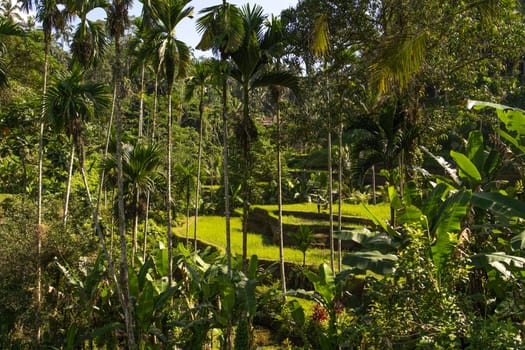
{"points": [[130, 167]]}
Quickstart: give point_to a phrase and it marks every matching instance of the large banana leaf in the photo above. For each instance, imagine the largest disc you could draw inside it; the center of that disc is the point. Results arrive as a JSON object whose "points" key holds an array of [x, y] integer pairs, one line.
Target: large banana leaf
{"points": [[366, 238], [513, 118], [374, 261], [500, 261], [499, 204], [446, 225], [518, 242], [475, 148], [466, 167]]}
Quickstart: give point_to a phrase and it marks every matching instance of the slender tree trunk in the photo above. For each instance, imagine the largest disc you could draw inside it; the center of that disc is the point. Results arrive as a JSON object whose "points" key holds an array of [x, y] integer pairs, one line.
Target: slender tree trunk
{"points": [[245, 178], [68, 185], [199, 163], [280, 199], [105, 157], [124, 278], [86, 185], [146, 227], [188, 215], [39, 199], [168, 195], [330, 190], [135, 226], [155, 106], [141, 108], [340, 199], [374, 199], [226, 177], [331, 197]]}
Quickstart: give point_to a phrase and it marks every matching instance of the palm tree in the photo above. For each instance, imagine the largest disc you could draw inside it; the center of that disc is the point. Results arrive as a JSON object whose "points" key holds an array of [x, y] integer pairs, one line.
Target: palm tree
{"points": [[10, 11], [68, 104], [252, 63], [276, 31], [141, 166], [223, 32], [200, 79], [118, 21], [89, 39], [51, 18], [163, 17]]}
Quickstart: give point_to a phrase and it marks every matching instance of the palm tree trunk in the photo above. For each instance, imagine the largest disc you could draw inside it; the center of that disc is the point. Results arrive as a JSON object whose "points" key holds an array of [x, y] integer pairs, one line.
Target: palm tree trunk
{"points": [[199, 162], [225, 176], [124, 278], [280, 199], [68, 185], [135, 226], [106, 150], [86, 185], [39, 200], [340, 197], [141, 108], [246, 177], [146, 227], [155, 103], [188, 214], [330, 196], [374, 199], [168, 198]]}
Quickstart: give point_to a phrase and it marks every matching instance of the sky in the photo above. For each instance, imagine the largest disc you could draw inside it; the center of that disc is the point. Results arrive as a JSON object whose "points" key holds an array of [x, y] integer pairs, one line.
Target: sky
{"points": [[186, 29]]}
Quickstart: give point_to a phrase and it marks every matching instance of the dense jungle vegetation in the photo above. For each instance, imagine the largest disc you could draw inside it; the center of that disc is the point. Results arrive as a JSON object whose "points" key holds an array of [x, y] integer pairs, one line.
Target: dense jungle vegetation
{"points": [[346, 175]]}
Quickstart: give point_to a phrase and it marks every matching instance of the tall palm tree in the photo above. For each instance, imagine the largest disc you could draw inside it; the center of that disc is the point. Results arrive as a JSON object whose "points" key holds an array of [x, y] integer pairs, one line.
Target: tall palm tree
{"points": [[200, 79], [118, 21], [252, 69], [51, 18], [68, 104], [276, 32], [222, 31], [89, 39], [163, 17]]}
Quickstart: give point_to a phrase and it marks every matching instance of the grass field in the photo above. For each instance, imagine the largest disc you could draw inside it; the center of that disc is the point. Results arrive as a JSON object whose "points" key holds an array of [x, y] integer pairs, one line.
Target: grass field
{"points": [[211, 231], [380, 210]]}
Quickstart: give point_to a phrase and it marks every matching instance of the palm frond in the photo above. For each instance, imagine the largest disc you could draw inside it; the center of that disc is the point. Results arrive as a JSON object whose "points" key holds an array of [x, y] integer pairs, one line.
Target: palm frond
{"points": [[400, 59], [320, 36]]}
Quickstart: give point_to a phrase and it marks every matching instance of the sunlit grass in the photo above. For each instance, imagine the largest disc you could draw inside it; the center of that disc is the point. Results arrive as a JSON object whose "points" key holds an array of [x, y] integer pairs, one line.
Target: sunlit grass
{"points": [[212, 231], [380, 210]]}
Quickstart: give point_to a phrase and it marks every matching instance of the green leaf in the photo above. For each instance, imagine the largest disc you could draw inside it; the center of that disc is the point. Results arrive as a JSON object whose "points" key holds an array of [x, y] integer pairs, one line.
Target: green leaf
{"points": [[513, 118], [446, 224], [518, 242], [466, 166], [145, 306], [512, 140], [499, 204], [366, 238], [498, 260], [395, 201], [374, 261], [451, 213], [409, 214], [475, 148], [386, 227], [297, 312]]}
